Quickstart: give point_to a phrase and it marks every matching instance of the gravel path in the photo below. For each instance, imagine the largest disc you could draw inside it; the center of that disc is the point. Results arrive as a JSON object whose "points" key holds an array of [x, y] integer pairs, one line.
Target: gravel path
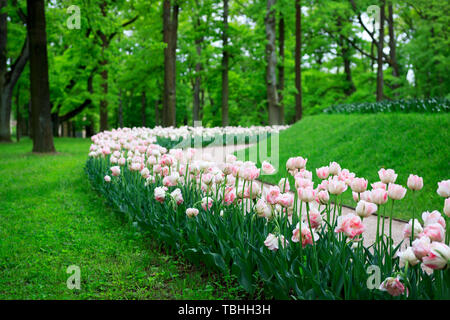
{"points": [[218, 154]]}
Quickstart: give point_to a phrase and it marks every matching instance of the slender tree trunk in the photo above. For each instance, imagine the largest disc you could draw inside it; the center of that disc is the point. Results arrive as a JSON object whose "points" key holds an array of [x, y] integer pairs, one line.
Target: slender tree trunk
{"points": [[380, 95], [5, 100], [281, 66], [225, 61], [349, 86], [8, 78], [298, 60], [392, 47], [157, 113], [120, 110], [197, 84], [143, 109], [170, 26], [18, 116], [271, 58], [39, 86]]}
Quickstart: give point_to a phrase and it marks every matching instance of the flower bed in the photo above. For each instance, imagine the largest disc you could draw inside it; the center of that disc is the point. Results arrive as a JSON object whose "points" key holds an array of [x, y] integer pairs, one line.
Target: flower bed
{"points": [[218, 214]]}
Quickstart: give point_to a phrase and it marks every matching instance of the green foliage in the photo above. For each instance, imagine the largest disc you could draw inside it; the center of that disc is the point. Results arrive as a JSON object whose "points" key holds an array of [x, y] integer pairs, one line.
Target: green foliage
{"points": [[408, 143], [331, 32]]}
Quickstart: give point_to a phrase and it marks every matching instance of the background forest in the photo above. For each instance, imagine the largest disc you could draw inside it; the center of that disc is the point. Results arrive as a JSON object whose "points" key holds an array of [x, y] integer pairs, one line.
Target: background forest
{"points": [[231, 62]]}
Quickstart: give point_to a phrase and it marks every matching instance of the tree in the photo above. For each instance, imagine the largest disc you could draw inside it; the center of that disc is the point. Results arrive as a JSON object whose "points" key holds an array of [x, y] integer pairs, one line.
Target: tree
{"points": [[39, 85], [170, 29], [9, 78], [280, 82], [271, 59], [298, 60], [225, 57], [380, 95]]}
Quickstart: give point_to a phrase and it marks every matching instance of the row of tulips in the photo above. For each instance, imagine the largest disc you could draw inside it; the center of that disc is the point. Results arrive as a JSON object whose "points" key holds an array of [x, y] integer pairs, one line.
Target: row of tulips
{"points": [[292, 242]]}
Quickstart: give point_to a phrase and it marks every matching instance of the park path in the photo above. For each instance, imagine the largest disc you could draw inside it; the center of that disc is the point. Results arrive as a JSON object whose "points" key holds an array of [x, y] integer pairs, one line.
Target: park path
{"points": [[218, 154]]}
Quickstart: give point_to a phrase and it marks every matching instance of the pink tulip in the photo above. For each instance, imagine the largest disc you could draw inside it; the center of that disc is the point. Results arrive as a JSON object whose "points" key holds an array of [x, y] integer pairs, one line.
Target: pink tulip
{"points": [[115, 171], [365, 209], [323, 172], [177, 196], [359, 185], [304, 232], [303, 174], [435, 232], [408, 256], [415, 182], [366, 196], [208, 201], [271, 242], [160, 194], [350, 224], [107, 178], [336, 186], [267, 168], [145, 173], [306, 194], [262, 209], [191, 212], [433, 217], [408, 228], [303, 183], [387, 176], [230, 195], [444, 188], [315, 218], [284, 185], [378, 185], [334, 168], [379, 196], [286, 200], [438, 256], [322, 197], [272, 195], [346, 176], [447, 207], [396, 191], [393, 286], [421, 247]]}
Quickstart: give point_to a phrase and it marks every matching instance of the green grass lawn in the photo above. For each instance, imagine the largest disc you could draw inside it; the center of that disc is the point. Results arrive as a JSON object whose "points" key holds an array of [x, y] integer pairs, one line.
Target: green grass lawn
{"points": [[50, 218], [407, 143]]}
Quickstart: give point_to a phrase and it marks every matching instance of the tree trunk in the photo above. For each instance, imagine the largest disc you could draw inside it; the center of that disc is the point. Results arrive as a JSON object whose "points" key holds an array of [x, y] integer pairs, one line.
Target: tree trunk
{"points": [[39, 86], [18, 116], [157, 113], [104, 101], [380, 53], [197, 83], [8, 79], [281, 66], [5, 100], [392, 47], [143, 107], [298, 62], [170, 26], [225, 62], [271, 58]]}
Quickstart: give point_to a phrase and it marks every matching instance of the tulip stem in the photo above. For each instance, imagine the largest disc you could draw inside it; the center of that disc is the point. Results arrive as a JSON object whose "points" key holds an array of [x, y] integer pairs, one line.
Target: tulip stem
{"points": [[391, 241], [413, 219]]}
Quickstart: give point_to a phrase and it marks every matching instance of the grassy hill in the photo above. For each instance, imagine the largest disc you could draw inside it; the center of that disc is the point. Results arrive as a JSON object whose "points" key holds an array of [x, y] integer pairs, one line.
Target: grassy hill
{"points": [[363, 143]]}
